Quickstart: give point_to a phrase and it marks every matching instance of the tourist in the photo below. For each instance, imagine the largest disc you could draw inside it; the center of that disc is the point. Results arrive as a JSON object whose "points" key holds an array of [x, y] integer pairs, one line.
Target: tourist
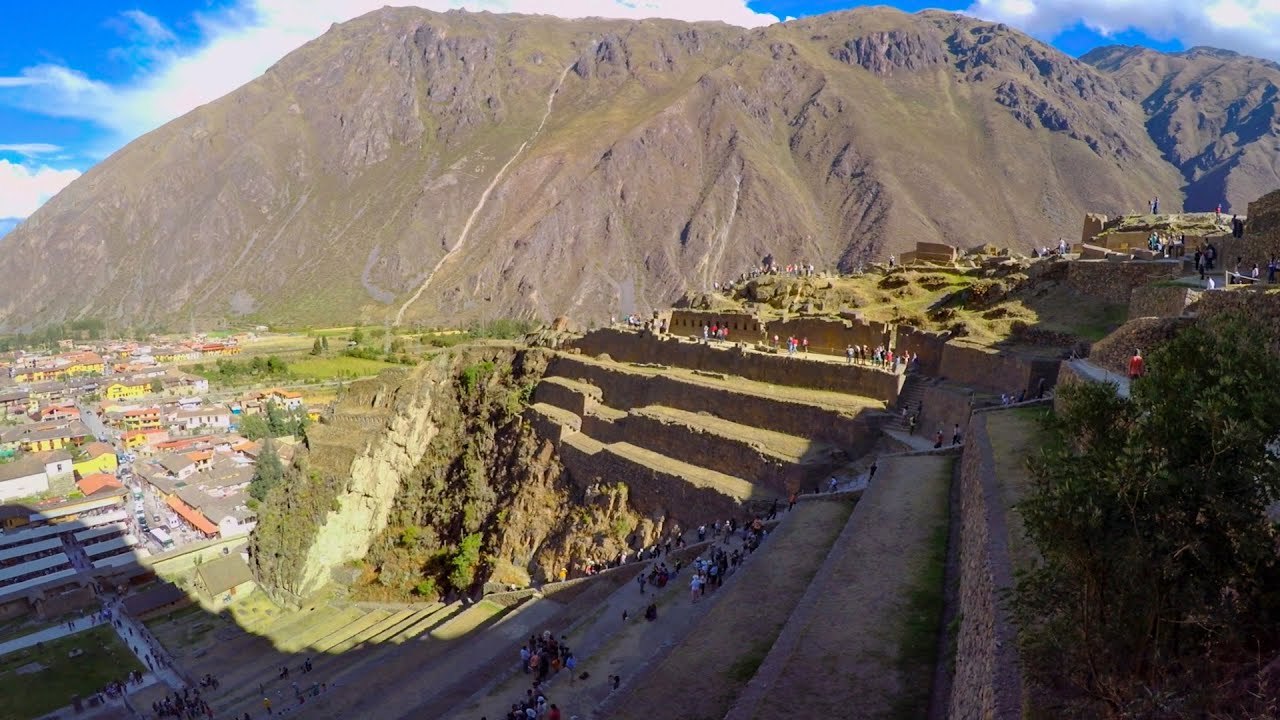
{"points": [[1136, 365], [955, 435], [937, 439]]}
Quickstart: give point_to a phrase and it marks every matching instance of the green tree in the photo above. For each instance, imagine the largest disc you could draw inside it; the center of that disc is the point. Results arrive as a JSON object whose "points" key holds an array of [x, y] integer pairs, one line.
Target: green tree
{"points": [[462, 566], [317, 347], [357, 336], [157, 387], [268, 473], [254, 427], [277, 422], [1149, 516], [324, 343]]}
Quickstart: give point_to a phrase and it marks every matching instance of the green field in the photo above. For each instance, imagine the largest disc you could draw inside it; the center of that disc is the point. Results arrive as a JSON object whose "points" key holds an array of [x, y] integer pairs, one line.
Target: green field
{"points": [[328, 368], [102, 658]]}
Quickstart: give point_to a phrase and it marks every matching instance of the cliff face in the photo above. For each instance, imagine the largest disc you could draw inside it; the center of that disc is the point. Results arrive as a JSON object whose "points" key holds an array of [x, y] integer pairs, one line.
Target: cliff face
{"points": [[418, 468], [1215, 115], [411, 166]]}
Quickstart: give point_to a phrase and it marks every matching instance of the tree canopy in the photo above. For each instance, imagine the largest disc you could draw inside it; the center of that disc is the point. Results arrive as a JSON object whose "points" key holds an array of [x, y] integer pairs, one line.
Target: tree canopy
{"points": [[1158, 570]]}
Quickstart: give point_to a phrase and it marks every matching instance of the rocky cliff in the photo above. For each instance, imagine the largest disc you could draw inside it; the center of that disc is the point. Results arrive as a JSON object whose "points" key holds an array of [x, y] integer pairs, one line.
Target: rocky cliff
{"points": [[419, 475], [1215, 115], [411, 166]]}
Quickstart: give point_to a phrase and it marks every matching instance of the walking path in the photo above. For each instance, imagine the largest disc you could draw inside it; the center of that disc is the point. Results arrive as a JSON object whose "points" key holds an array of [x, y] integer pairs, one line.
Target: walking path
{"points": [[148, 650], [1100, 374], [47, 634]]}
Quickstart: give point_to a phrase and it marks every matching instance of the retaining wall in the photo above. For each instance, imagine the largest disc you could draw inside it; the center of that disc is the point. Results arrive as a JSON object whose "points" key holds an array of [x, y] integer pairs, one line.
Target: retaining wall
{"points": [[1160, 301], [944, 406], [622, 389], [927, 345], [652, 493], [730, 456], [779, 369], [1113, 282], [830, 336], [987, 684], [996, 371], [688, 323]]}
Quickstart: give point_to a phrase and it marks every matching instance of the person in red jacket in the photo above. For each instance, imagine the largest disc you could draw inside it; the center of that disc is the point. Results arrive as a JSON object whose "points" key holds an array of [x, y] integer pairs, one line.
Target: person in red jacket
{"points": [[1136, 365]]}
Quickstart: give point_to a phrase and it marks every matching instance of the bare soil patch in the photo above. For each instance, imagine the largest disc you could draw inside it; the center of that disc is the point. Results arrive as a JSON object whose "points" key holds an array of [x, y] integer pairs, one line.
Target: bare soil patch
{"points": [[702, 676], [869, 645]]}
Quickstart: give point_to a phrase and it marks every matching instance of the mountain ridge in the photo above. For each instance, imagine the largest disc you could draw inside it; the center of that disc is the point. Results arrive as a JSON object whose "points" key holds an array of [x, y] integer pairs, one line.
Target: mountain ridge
{"points": [[348, 182]]}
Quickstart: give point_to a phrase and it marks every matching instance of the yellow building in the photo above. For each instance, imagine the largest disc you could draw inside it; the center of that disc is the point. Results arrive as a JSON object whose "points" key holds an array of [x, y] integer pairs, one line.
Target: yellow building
{"points": [[135, 439], [145, 419], [120, 391], [98, 458]]}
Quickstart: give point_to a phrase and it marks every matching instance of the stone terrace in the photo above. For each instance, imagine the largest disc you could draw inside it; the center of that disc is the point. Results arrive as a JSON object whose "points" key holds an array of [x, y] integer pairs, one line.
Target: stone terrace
{"points": [[692, 444]]}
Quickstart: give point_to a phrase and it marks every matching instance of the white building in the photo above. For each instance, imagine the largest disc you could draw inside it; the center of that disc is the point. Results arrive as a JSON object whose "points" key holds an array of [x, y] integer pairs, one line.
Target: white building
{"points": [[23, 477]]}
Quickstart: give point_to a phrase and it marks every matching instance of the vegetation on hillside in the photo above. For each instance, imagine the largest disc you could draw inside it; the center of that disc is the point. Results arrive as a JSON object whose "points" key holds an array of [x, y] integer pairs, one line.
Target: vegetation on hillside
{"points": [[1158, 592]]}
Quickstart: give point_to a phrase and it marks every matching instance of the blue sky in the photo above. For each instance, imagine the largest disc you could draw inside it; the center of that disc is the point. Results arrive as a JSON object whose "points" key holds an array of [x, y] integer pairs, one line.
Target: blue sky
{"points": [[81, 78]]}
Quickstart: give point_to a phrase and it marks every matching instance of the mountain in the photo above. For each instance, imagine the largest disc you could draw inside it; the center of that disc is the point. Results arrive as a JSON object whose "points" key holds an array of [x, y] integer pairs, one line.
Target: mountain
{"points": [[1215, 115], [425, 168]]}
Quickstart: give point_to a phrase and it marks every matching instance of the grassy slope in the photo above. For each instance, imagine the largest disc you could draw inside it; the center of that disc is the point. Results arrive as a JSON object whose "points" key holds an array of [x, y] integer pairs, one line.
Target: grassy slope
{"points": [[104, 658], [702, 676]]}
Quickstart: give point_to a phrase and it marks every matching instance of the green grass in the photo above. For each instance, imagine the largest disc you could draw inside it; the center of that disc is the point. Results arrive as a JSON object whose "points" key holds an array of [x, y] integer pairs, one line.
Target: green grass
{"points": [[745, 667], [104, 658], [341, 366], [921, 623]]}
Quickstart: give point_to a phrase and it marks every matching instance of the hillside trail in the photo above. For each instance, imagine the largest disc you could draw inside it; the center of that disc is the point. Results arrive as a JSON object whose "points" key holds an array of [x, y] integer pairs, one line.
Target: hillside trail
{"points": [[484, 199]]}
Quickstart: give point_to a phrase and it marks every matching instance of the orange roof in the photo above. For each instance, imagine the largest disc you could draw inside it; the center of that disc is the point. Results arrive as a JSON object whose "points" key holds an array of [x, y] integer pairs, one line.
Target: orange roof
{"points": [[133, 434], [200, 455], [97, 449], [191, 515], [144, 411], [155, 431], [91, 484]]}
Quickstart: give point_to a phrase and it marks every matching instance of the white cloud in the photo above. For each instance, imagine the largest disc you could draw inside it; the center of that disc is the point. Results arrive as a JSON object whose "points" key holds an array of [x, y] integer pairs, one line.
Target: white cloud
{"points": [[23, 189], [1246, 26], [30, 149], [149, 26], [241, 43]]}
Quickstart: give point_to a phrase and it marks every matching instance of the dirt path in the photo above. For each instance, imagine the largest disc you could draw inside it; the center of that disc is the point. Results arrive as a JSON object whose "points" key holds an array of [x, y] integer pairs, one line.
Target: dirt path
{"points": [[857, 652], [704, 673]]}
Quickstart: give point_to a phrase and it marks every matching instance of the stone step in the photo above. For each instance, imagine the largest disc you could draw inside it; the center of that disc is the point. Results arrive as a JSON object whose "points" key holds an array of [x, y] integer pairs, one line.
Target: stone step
{"points": [[431, 620], [414, 618], [330, 642], [310, 636], [695, 475], [227, 654], [551, 422], [392, 623]]}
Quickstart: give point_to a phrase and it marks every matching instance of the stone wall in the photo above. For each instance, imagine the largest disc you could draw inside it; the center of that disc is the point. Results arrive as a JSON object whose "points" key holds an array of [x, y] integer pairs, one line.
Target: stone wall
{"points": [[1260, 309], [655, 494], [927, 345], [1113, 351], [1114, 282], [936, 252], [1126, 240], [624, 389], [1093, 224], [1160, 301], [778, 369], [688, 323], [944, 406], [830, 336], [995, 371], [987, 684]]}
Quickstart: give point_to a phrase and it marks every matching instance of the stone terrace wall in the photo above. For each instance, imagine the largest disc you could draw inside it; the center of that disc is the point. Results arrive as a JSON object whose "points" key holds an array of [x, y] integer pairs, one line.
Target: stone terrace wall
{"points": [[1260, 309], [828, 336], [994, 371], [777, 369], [727, 455], [927, 345], [1160, 301], [987, 684], [653, 493], [688, 323], [944, 406], [624, 390], [1114, 281], [1113, 351]]}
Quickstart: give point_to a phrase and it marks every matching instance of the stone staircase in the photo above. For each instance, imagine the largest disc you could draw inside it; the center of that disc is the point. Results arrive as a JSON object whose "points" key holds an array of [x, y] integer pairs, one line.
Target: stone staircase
{"points": [[691, 444], [908, 403]]}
